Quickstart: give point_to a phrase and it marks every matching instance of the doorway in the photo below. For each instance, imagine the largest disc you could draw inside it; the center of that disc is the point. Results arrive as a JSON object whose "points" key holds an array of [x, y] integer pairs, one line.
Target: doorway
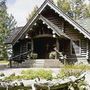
{"points": [[43, 46]]}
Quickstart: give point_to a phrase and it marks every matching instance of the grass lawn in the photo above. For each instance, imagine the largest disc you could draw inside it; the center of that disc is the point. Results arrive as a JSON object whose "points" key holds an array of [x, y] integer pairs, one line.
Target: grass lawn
{"points": [[4, 62], [76, 67]]}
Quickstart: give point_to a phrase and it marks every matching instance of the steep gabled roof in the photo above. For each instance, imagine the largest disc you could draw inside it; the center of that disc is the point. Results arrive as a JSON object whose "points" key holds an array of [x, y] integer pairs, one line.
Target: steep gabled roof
{"points": [[85, 23], [12, 35], [57, 10]]}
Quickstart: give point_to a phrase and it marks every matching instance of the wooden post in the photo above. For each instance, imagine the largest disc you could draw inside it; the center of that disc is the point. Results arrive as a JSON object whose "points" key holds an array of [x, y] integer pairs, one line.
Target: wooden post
{"points": [[57, 47], [10, 62], [10, 58], [32, 45], [87, 53]]}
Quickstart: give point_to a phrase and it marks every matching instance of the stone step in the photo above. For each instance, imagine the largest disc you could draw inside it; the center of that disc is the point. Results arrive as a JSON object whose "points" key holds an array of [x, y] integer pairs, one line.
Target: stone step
{"points": [[38, 65], [41, 63]]}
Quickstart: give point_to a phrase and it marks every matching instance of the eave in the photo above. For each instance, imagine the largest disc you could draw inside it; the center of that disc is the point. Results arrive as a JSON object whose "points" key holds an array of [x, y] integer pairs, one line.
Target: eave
{"points": [[31, 22]]}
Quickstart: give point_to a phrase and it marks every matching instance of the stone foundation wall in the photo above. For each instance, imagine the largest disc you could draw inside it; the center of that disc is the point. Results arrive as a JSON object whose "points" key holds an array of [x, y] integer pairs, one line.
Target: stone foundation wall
{"points": [[39, 63], [77, 61], [48, 63]]}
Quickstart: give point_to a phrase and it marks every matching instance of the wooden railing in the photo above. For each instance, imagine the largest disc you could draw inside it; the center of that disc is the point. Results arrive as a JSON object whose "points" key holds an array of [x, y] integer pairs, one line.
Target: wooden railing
{"points": [[61, 56], [20, 57]]}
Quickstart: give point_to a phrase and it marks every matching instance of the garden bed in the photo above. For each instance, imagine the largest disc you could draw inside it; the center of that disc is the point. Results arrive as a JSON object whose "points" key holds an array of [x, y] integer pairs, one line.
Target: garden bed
{"points": [[41, 79]]}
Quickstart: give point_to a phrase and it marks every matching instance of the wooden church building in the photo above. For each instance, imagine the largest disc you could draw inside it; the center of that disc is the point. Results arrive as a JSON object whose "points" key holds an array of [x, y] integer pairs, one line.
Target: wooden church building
{"points": [[49, 38]]}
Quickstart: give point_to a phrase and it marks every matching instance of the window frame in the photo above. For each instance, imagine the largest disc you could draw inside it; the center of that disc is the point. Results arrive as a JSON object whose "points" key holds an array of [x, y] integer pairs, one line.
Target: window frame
{"points": [[27, 45], [78, 47]]}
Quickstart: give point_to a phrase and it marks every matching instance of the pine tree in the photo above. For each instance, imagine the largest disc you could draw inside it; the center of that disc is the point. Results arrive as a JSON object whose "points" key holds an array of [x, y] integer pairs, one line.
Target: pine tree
{"points": [[77, 9], [3, 30], [64, 5], [32, 13], [11, 23], [6, 24]]}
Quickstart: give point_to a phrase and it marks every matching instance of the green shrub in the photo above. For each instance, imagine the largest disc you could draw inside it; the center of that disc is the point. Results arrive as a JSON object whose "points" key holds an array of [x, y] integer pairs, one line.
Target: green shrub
{"points": [[81, 66], [52, 55], [2, 74], [45, 74], [71, 70], [32, 56], [66, 72], [31, 74], [27, 71]]}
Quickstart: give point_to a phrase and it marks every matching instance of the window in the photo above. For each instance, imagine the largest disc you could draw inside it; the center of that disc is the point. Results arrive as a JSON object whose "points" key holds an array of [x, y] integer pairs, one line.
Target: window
{"points": [[28, 46], [23, 48], [75, 47]]}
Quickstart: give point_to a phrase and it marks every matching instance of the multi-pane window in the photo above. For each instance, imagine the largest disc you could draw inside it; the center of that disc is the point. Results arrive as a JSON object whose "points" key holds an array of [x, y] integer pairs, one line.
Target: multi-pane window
{"points": [[28, 46], [25, 47], [75, 47]]}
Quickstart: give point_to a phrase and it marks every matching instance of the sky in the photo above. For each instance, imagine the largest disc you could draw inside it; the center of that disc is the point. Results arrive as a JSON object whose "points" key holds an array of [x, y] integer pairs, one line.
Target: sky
{"points": [[20, 9]]}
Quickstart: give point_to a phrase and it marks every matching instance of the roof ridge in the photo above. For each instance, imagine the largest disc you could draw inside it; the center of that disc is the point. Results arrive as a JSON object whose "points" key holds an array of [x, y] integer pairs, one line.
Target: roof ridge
{"points": [[59, 11]]}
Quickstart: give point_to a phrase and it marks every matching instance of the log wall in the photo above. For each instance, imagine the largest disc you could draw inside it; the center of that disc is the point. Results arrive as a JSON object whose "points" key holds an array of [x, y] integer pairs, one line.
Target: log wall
{"points": [[73, 33]]}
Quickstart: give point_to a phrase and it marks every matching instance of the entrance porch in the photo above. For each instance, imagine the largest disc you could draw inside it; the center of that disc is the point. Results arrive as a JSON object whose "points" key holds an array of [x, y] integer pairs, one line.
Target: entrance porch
{"points": [[46, 45]]}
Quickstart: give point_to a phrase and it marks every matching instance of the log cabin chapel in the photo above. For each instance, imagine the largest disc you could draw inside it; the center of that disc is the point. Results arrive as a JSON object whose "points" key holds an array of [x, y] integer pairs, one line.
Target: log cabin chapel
{"points": [[48, 36]]}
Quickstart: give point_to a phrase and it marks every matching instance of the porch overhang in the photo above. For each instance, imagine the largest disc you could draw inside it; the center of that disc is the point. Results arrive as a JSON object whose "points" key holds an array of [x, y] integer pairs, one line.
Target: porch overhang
{"points": [[57, 30]]}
